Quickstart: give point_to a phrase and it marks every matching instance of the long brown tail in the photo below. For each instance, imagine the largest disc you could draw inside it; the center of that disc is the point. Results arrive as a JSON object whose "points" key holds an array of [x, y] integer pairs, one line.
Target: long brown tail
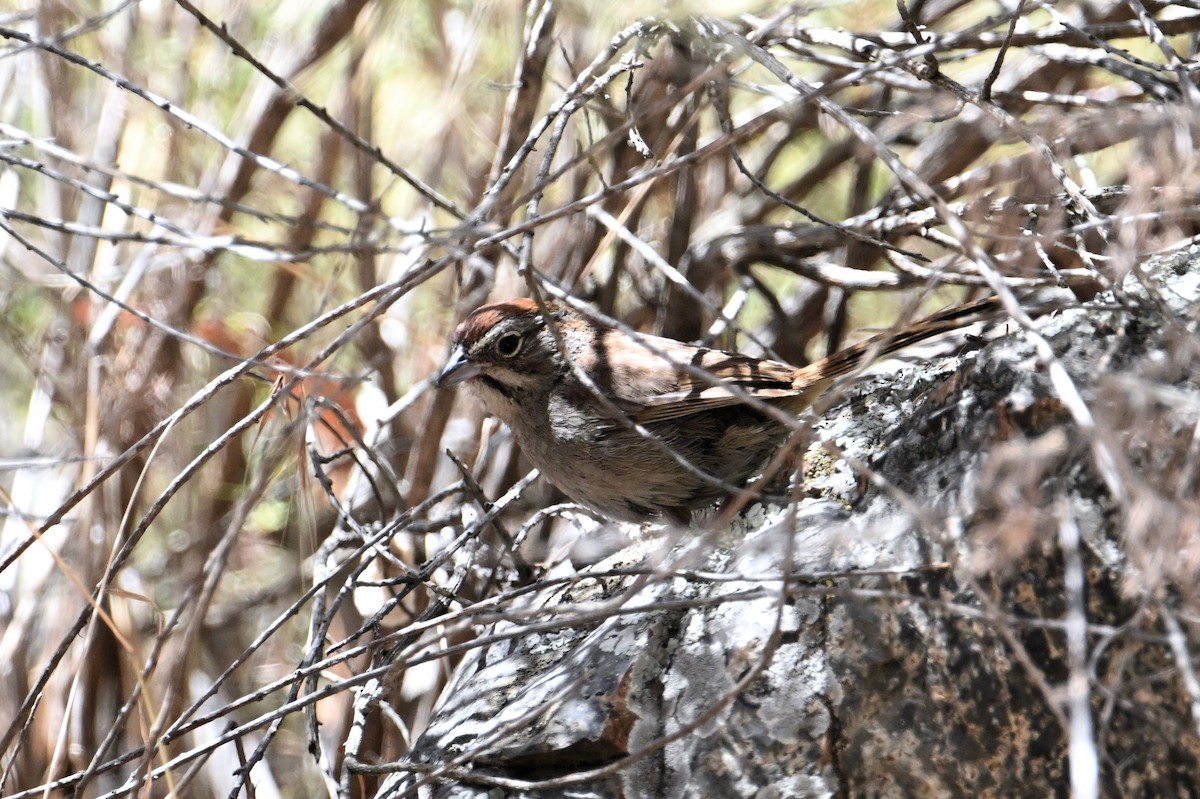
{"points": [[864, 352]]}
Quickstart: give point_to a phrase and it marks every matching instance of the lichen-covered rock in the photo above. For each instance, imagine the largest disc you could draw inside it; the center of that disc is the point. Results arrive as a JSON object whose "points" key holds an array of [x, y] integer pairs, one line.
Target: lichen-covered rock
{"points": [[920, 647]]}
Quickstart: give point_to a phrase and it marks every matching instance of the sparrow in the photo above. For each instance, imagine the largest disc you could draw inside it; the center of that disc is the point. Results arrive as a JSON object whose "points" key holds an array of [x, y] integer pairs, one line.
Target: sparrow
{"points": [[644, 427]]}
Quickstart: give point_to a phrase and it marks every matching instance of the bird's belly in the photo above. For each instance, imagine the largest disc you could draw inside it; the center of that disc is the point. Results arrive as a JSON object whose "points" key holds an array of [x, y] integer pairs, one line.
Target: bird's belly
{"points": [[602, 465], [618, 472], [615, 481]]}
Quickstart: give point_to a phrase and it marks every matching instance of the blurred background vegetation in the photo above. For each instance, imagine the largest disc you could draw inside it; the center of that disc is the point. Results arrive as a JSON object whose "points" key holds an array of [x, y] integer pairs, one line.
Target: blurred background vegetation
{"points": [[235, 237]]}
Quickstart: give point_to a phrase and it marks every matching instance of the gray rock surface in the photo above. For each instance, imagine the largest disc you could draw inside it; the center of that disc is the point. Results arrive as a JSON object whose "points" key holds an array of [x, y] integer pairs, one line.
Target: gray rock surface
{"points": [[920, 649]]}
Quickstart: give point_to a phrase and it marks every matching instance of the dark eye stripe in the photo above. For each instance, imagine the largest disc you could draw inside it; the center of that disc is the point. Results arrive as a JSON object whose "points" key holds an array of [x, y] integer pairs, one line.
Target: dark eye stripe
{"points": [[499, 387]]}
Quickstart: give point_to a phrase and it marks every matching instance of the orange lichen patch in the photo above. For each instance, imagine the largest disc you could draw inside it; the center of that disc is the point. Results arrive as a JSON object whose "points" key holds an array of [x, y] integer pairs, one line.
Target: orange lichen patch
{"points": [[329, 399]]}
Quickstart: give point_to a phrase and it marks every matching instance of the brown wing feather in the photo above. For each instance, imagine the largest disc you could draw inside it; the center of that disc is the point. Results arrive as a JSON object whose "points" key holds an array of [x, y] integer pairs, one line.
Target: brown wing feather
{"points": [[770, 380], [693, 394], [872, 349]]}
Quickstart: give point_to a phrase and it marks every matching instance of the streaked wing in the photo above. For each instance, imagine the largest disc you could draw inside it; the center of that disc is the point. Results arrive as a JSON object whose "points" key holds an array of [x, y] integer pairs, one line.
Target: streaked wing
{"points": [[694, 393], [649, 393]]}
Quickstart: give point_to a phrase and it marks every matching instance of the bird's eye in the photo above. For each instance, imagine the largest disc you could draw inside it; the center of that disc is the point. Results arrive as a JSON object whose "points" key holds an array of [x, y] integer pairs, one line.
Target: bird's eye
{"points": [[508, 345]]}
